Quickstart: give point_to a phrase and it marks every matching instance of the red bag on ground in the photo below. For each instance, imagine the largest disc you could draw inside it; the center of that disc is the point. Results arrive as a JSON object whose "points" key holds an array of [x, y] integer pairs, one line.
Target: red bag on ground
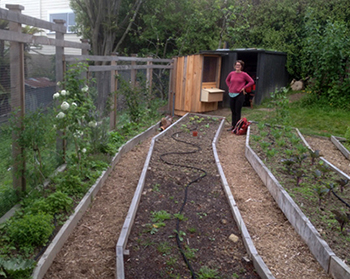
{"points": [[241, 127]]}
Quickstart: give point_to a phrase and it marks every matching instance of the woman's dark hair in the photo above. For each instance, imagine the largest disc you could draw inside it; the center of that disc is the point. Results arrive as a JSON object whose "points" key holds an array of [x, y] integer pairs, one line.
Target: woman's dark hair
{"points": [[240, 62]]}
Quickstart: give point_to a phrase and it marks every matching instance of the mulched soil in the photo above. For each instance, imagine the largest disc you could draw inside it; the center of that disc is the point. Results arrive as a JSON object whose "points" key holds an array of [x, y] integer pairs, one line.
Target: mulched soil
{"points": [[182, 178], [90, 250]]}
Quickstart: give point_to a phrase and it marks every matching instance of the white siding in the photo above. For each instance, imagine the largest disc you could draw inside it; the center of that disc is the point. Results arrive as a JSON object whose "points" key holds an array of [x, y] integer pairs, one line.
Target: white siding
{"points": [[31, 7], [41, 9]]}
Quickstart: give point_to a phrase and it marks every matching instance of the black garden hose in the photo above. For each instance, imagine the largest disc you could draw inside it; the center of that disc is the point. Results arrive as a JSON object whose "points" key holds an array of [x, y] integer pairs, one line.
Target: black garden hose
{"points": [[198, 148], [339, 198]]}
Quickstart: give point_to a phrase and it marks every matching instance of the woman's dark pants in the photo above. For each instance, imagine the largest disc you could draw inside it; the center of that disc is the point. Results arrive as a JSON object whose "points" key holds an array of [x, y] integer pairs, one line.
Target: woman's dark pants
{"points": [[236, 105]]}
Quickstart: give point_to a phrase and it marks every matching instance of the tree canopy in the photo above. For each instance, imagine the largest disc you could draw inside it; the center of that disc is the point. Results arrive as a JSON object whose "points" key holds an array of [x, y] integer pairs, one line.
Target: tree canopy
{"points": [[308, 31]]}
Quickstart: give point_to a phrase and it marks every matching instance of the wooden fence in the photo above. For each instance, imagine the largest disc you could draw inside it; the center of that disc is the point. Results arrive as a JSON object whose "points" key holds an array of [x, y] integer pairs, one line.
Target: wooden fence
{"points": [[17, 40]]}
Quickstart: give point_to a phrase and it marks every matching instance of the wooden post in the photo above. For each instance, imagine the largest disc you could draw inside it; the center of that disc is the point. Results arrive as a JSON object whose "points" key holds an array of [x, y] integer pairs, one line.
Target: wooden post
{"points": [[133, 72], [59, 52], [149, 75], [60, 143], [85, 51], [171, 94], [17, 101], [114, 87]]}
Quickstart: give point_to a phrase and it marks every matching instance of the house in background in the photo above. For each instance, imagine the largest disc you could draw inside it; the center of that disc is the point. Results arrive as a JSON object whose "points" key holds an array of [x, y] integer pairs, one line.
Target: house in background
{"points": [[49, 10]]}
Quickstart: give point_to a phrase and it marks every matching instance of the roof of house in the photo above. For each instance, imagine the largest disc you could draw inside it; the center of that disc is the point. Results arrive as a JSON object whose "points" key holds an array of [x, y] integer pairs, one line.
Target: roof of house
{"points": [[39, 82]]}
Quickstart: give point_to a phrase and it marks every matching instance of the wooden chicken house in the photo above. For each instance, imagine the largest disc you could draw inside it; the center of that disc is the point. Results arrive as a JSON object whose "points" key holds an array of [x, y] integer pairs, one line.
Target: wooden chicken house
{"points": [[197, 80]]}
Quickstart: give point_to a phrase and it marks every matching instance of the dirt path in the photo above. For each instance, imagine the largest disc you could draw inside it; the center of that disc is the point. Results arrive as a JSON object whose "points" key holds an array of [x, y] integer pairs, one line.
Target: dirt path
{"points": [[90, 250], [283, 251]]}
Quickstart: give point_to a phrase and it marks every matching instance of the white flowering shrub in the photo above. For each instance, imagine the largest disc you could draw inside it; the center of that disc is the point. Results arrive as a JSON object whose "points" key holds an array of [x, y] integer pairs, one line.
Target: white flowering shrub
{"points": [[75, 113]]}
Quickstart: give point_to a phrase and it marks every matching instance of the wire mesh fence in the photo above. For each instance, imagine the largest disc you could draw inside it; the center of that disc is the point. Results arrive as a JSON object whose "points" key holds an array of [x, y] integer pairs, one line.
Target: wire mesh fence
{"points": [[44, 154]]}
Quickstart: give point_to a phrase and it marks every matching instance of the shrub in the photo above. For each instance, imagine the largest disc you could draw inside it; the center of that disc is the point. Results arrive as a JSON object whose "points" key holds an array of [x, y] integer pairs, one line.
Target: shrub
{"points": [[30, 230]]}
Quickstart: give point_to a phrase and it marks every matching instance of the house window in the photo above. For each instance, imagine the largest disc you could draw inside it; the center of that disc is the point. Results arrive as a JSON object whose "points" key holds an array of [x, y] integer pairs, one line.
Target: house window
{"points": [[69, 17]]}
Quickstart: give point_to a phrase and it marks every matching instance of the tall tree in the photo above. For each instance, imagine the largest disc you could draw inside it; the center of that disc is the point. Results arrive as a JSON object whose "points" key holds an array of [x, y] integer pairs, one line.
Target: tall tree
{"points": [[105, 22], [184, 26]]}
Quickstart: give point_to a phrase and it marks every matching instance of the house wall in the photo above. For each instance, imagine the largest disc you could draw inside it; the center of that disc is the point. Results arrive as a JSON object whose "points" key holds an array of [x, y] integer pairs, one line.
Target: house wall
{"points": [[41, 9]]}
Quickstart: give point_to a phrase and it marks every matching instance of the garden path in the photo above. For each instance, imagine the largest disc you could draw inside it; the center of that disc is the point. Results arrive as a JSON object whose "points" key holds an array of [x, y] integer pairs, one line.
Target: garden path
{"points": [[90, 251]]}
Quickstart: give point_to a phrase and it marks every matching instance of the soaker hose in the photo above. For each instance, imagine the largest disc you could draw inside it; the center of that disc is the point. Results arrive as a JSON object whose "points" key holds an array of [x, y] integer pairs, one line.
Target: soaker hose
{"points": [[339, 198], [198, 148]]}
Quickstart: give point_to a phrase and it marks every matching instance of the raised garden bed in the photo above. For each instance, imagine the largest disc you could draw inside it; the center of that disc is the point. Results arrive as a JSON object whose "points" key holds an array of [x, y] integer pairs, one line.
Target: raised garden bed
{"points": [[343, 149], [307, 190], [58, 241], [183, 221]]}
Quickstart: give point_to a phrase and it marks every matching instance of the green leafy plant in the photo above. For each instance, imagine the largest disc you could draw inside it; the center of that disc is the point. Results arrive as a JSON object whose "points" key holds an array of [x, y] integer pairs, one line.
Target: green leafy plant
{"points": [[342, 182], [138, 98], [207, 273], [156, 187], [264, 145], [281, 143], [179, 216], [16, 267], [190, 253], [314, 155], [30, 230], [155, 227], [159, 216], [271, 152], [180, 234], [256, 138], [342, 218], [164, 248], [261, 126], [320, 191], [201, 214], [280, 107]]}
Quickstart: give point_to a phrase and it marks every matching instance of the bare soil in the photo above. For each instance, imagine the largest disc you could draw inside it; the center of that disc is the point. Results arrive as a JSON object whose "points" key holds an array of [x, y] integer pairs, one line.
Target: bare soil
{"points": [[90, 250]]}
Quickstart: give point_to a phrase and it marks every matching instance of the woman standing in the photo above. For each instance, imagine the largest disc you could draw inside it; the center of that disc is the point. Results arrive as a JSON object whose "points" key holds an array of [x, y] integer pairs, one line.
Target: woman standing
{"points": [[237, 81]]}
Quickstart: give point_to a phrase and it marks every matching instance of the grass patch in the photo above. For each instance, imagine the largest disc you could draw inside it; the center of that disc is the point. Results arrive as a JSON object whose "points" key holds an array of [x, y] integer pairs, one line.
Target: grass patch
{"points": [[316, 119]]}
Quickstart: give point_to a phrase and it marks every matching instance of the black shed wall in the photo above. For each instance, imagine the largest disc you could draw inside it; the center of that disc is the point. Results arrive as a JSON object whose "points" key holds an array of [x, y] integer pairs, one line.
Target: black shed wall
{"points": [[271, 74], [266, 67]]}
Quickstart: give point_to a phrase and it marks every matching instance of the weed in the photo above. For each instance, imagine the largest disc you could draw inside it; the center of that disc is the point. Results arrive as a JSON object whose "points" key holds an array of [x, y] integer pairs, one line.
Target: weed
{"points": [[271, 153], [172, 261], [181, 217], [261, 126], [281, 143], [164, 248], [180, 234], [264, 145], [207, 273], [256, 137], [160, 216], [190, 253], [156, 187], [201, 214]]}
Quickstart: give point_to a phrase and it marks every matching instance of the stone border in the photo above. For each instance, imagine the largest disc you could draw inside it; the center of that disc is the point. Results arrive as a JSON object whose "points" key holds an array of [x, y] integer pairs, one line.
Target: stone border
{"points": [[258, 263], [49, 255], [318, 247], [337, 142]]}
